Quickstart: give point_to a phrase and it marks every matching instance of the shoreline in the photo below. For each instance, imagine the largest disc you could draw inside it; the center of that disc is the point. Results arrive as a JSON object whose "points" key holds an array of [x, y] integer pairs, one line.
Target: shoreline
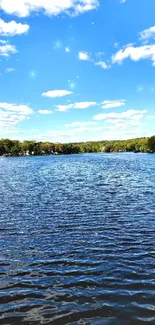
{"points": [[69, 154]]}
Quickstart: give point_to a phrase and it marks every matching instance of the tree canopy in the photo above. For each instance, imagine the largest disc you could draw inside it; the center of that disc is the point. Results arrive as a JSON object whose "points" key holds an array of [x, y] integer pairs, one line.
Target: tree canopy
{"points": [[151, 144], [17, 148]]}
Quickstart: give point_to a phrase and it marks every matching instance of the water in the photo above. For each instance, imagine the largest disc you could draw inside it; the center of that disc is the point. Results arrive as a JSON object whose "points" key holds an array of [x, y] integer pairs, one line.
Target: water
{"points": [[77, 240]]}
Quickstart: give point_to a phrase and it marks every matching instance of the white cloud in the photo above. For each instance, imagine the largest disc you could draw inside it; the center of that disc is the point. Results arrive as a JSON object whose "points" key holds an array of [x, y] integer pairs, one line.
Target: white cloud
{"points": [[84, 56], [3, 41], [113, 103], [77, 134], [6, 50], [63, 108], [24, 8], [13, 114], [150, 117], [83, 105], [103, 65], [56, 93], [78, 105], [45, 111], [79, 124], [67, 49], [127, 118], [20, 109], [135, 53], [59, 136], [12, 28], [122, 1], [8, 70], [112, 132], [147, 33]]}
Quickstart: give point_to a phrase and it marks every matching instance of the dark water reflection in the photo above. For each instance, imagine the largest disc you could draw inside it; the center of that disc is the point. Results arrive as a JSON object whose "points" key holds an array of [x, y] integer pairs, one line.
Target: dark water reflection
{"points": [[77, 240]]}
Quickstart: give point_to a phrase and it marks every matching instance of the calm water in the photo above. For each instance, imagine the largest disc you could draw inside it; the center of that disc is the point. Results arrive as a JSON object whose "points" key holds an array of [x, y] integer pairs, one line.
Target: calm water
{"points": [[77, 240]]}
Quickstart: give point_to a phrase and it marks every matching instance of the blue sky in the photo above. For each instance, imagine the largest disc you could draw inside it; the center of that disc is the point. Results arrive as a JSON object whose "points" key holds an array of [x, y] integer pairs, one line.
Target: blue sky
{"points": [[77, 70]]}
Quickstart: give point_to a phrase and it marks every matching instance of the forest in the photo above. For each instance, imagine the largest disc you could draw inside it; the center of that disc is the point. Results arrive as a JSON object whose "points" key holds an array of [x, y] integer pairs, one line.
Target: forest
{"points": [[16, 148]]}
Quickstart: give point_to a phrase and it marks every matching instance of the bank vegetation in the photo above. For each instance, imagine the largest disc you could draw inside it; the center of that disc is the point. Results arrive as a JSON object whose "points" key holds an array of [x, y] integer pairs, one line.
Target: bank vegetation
{"points": [[16, 148]]}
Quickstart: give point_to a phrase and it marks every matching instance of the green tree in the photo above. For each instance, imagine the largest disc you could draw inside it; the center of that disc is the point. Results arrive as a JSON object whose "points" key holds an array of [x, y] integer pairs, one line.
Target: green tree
{"points": [[107, 148], [2, 150], [7, 144], [16, 148], [28, 146], [151, 144]]}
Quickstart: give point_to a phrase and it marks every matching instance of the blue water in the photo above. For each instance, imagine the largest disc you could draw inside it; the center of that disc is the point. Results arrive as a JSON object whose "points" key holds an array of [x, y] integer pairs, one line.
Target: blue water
{"points": [[77, 240]]}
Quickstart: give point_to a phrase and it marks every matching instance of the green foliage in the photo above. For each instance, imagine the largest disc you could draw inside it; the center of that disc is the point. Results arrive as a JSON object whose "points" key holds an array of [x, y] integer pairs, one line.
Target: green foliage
{"points": [[28, 146], [107, 148], [15, 148], [2, 150], [7, 144], [151, 144]]}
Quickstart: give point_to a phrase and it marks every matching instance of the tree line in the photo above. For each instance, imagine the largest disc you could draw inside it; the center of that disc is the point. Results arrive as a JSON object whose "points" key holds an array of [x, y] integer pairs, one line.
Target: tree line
{"points": [[16, 148]]}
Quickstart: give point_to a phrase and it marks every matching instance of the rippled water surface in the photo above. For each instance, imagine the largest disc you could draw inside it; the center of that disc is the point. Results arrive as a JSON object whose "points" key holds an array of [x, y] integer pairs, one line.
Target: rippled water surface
{"points": [[77, 240]]}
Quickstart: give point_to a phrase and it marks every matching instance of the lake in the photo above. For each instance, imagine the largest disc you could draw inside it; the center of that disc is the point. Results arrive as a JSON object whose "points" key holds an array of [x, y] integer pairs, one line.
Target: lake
{"points": [[77, 239]]}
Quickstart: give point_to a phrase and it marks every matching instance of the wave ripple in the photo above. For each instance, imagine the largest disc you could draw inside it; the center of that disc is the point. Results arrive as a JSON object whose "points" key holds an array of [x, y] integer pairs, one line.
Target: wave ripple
{"points": [[77, 238]]}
